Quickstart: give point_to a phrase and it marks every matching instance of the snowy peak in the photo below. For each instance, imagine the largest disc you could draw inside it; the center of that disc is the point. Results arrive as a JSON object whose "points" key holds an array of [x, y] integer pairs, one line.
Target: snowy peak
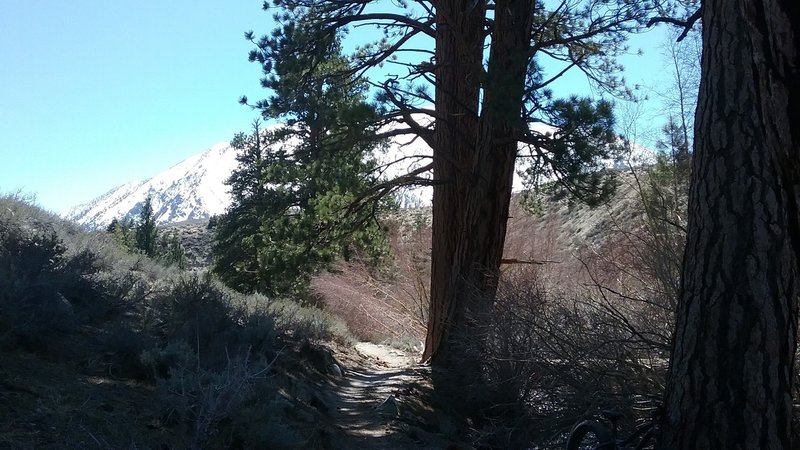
{"points": [[192, 189], [195, 188]]}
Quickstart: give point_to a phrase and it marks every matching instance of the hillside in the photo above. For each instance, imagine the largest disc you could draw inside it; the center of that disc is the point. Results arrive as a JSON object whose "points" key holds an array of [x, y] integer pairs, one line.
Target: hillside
{"points": [[106, 348], [102, 348], [195, 189]]}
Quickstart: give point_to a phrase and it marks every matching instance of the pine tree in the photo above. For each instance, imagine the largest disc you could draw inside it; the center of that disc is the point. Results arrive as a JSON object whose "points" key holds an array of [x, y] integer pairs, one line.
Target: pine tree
{"points": [[731, 377], [237, 232], [667, 191], [171, 251], [146, 230], [481, 73], [123, 232], [295, 183], [113, 226]]}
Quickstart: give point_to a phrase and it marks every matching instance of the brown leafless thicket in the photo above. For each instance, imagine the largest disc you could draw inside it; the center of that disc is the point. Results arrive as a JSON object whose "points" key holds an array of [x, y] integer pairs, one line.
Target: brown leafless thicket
{"points": [[389, 303]]}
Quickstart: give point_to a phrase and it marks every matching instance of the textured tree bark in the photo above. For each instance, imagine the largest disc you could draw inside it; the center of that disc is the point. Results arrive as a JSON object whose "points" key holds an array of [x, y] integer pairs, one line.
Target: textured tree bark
{"points": [[459, 48], [478, 116], [730, 379]]}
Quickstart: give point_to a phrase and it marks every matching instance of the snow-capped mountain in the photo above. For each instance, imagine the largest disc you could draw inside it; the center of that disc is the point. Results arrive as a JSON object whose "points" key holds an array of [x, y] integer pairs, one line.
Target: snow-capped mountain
{"points": [[192, 189], [196, 189]]}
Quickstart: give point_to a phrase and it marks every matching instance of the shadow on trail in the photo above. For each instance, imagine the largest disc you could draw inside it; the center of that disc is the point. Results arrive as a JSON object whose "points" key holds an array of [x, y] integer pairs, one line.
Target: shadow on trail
{"points": [[384, 408]]}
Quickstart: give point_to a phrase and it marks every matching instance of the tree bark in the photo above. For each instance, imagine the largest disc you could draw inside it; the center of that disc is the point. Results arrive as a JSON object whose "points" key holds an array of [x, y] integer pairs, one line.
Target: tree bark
{"points": [[730, 378], [459, 49], [478, 116]]}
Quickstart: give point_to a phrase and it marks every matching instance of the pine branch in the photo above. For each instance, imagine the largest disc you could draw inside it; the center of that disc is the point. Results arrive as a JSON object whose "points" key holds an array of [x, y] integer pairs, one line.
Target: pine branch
{"points": [[685, 24]]}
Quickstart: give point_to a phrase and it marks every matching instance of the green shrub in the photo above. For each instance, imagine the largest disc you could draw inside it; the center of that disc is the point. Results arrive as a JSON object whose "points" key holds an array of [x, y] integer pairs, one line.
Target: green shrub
{"points": [[309, 322], [194, 310], [33, 311], [259, 333], [55, 277], [119, 353], [214, 321], [209, 350]]}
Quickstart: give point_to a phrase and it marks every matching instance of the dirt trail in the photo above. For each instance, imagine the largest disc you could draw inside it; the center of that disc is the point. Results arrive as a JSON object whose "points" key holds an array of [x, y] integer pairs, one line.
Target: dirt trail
{"points": [[374, 402]]}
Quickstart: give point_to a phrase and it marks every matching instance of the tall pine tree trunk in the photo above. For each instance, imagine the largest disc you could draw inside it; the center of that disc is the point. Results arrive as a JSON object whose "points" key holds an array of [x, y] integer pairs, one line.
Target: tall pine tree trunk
{"points": [[473, 168], [459, 49], [730, 379]]}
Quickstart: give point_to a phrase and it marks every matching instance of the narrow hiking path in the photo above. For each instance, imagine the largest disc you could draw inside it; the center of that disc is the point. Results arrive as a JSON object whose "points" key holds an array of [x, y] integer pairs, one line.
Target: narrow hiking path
{"points": [[377, 403]]}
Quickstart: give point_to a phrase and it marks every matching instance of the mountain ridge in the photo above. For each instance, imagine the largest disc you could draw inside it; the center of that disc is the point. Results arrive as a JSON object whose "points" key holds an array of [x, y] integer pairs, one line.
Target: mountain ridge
{"points": [[191, 189], [195, 189]]}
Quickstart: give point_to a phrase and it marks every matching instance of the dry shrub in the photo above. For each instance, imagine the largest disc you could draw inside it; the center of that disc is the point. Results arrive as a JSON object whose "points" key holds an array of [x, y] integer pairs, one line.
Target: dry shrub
{"points": [[604, 339], [588, 330], [33, 312], [66, 294], [624, 289], [389, 303], [550, 359], [198, 401], [304, 322], [373, 310], [635, 272]]}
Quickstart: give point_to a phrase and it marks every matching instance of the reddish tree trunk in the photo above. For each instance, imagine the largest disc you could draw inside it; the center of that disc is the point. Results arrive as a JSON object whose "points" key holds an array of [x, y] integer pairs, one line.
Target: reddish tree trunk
{"points": [[459, 49], [474, 159]]}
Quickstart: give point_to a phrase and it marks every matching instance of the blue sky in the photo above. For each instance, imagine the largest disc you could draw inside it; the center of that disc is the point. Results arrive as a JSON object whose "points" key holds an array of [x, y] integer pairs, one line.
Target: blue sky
{"points": [[97, 93]]}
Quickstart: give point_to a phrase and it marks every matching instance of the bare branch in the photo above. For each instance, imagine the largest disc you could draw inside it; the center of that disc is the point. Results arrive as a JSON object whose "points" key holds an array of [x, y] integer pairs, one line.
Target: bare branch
{"points": [[380, 190], [400, 20], [522, 261], [685, 24]]}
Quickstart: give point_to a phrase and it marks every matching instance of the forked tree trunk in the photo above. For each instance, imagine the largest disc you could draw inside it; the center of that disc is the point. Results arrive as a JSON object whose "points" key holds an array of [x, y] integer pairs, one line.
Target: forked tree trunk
{"points": [[473, 168], [730, 379]]}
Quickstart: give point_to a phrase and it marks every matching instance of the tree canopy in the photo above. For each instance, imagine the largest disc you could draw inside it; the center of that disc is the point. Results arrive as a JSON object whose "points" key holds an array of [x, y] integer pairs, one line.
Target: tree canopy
{"points": [[295, 181], [467, 78]]}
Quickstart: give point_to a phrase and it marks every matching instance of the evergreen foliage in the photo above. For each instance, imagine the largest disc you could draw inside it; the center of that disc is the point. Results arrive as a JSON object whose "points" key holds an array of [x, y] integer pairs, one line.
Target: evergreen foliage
{"points": [[124, 232], [292, 193], [146, 230], [171, 251], [667, 192], [237, 236], [479, 64], [113, 226], [212, 222], [143, 236]]}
